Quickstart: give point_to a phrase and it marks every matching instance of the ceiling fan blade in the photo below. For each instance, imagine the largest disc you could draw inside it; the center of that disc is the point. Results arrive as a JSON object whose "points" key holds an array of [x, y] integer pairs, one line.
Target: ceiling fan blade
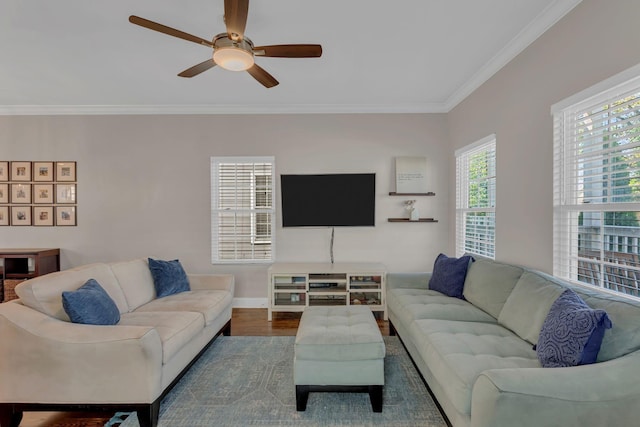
{"points": [[262, 76], [235, 17], [168, 30], [197, 69], [289, 51]]}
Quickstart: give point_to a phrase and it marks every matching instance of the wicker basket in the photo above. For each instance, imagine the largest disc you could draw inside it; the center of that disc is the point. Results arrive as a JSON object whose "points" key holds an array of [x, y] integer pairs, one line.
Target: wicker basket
{"points": [[10, 289]]}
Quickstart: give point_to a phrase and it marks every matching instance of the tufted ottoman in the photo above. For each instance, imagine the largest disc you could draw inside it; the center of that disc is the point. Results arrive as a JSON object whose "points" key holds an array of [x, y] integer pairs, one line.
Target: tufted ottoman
{"points": [[338, 349]]}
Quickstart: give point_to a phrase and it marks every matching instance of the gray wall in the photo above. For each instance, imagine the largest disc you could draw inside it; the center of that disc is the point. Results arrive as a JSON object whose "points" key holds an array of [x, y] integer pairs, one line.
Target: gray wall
{"points": [[144, 185], [594, 41]]}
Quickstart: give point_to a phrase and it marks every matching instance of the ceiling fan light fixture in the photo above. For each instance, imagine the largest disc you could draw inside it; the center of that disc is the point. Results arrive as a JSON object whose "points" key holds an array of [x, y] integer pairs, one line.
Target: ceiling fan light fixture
{"points": [[233, 58]]}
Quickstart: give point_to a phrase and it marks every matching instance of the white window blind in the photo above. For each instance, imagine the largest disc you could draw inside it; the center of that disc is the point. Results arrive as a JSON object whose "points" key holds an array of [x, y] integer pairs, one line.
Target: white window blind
{"points": [[476, 198], [597, 188], [242, 209]]}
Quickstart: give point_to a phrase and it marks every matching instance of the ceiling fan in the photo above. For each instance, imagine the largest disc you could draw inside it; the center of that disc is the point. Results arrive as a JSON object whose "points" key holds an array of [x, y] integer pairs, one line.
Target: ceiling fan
{"points": [[232, 50]]}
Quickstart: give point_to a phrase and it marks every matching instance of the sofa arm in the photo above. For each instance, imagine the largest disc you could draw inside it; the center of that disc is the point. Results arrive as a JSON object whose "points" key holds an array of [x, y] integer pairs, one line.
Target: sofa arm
{"points": [[46, 360], [600, 394], [408, 280], [221, 282]]}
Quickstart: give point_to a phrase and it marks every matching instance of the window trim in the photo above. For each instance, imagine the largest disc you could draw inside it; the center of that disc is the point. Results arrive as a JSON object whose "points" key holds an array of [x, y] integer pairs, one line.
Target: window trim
{"points": [[566, 259], [462, 193], [215, 162]]}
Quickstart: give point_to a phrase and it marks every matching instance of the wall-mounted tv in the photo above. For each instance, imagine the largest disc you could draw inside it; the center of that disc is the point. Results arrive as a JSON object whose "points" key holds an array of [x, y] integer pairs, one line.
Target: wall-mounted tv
{"points": [[328, 200]]}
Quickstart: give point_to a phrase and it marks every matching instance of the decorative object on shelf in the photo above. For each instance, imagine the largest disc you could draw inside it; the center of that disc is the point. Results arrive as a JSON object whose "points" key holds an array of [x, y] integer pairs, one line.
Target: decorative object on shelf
{"points": [[414, 214], [411, 174], [27, 186]]}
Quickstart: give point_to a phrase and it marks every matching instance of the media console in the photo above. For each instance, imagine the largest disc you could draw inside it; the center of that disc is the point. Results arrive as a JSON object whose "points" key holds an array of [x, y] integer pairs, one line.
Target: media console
{"points": [[294, 286]]}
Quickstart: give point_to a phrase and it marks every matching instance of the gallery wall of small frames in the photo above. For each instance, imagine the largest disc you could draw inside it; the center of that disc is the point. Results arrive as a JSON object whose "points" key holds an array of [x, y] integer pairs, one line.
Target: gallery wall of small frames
{"points": [[40, 194]]}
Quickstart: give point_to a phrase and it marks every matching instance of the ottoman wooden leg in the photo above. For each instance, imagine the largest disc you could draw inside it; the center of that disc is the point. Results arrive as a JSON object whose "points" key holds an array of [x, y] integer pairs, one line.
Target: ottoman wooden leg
{"points": [[375, 395], [302, 395]]}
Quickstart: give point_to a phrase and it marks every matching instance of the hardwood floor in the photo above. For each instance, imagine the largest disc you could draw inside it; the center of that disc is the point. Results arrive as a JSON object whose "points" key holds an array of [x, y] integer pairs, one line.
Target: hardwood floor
{"points": [[244, 322]]}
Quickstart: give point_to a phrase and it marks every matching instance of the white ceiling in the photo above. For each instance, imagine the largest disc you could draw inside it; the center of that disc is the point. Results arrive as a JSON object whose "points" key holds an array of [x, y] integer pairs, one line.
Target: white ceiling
{"points": [[83, 56]]}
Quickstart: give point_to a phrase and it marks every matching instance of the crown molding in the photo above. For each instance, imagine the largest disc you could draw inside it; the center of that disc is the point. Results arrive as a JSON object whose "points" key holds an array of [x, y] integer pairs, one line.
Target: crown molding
{"points": [[545, 20], [61, 110]]}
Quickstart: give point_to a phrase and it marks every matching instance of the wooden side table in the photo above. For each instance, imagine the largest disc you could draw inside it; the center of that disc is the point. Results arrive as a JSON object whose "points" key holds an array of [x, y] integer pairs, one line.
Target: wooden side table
{"points": [[18, 265]]}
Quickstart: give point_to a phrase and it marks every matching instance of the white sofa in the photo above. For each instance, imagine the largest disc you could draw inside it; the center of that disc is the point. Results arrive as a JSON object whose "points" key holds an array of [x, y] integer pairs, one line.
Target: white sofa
{"points": [[49, 363]]}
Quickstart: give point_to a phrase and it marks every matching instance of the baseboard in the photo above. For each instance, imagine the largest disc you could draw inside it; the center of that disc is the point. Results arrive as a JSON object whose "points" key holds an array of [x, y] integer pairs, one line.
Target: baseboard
{"points": [[250, 303]]}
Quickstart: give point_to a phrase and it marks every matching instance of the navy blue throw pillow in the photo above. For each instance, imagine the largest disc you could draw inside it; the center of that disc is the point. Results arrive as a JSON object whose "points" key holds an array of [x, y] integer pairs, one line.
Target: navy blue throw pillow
{"points": [[168, 277], [572, 333], [449, 274], [90, 304]]}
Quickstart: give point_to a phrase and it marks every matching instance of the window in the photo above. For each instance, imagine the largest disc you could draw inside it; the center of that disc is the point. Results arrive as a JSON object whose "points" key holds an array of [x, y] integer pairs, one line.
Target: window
{"points": [[242, 209], [476, 198], [597, 186]]}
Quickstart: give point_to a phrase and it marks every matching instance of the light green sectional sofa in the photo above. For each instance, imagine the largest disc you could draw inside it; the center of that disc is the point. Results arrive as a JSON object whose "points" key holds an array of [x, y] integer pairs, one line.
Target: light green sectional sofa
{"points": [[477, 354]]}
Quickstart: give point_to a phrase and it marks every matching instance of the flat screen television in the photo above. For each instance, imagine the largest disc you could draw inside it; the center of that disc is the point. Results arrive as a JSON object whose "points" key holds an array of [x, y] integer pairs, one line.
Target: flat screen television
{"points": [[328, 200]]}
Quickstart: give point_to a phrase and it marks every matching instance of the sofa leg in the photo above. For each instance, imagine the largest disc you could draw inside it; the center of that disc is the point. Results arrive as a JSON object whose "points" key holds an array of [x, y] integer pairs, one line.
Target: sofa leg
{"points": [[148, 414], [375, 396], [392, 330], [302, 395], [9, 417], [226, 331]]}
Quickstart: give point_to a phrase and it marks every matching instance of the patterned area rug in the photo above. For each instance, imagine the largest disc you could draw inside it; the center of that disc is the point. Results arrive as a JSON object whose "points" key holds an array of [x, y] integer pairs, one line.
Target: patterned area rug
{"points": [[248, 381]]}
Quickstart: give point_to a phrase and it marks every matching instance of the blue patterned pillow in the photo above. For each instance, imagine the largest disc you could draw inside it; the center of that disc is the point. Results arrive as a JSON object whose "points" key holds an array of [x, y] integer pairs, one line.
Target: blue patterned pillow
{"points": [[168, 277], [572, 333], [90, 304], [449, 274]]}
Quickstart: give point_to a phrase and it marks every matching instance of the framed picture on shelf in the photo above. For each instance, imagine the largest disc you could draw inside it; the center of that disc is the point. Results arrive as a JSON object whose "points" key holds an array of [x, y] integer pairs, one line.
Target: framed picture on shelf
{"points": [[21, 193], [4, 215], [4, 171], [66, 215], [4, 193], [43, 171], [20, 215], [20, 171], [43, 193], [66, 193], [65, 171], [43, 216]]}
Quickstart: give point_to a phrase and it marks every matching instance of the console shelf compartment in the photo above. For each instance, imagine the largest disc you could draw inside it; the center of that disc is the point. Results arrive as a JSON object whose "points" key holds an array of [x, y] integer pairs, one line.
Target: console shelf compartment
{"points": [[294, 286]]}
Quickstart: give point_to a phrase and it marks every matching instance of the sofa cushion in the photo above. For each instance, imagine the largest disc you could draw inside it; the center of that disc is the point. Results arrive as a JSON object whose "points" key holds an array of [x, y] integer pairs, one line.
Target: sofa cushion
{"points": [[572, 333], [176, 329], [135, 280], [91, 305], [528, 305], [489, 284], [209, 303], [458, 352], [624, 313], [449, 274], [168, 277], [410, 304], [44, 293]]}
